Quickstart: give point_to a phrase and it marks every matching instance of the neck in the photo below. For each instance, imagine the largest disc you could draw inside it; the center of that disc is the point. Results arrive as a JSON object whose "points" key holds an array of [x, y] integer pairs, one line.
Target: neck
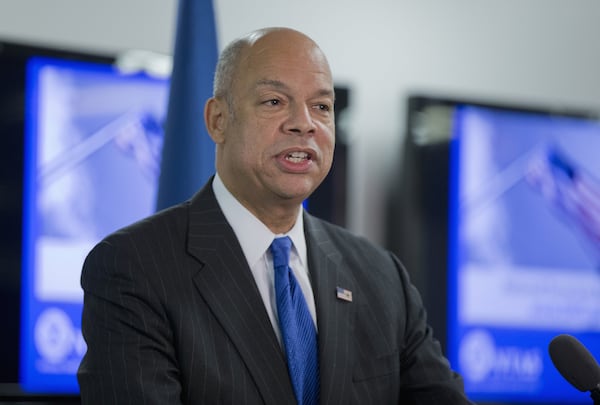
{"points": [[279, 219], [277, 213]]}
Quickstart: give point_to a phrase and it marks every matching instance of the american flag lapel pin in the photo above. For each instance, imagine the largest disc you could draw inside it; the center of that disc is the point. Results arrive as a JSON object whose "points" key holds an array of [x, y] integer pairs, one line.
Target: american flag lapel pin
{"points": [[343, 294]]}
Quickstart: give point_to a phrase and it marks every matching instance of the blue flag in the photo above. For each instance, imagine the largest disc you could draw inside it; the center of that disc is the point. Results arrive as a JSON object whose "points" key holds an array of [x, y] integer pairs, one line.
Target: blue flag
{"points": [[188, 152]]}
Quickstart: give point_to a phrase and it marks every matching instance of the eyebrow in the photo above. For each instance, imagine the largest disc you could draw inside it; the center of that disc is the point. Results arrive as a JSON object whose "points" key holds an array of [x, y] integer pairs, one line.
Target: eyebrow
{"points": [[281, 85], [271, 83]]}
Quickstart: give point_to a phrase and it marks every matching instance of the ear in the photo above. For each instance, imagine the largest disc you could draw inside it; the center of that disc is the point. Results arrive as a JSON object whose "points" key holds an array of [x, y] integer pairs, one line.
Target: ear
{"points": [[215, 118]]}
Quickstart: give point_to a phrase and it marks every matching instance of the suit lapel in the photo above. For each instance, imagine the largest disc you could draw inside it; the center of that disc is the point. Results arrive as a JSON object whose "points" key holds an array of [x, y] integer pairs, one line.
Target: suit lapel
{"points": [[335, 317], [228, 287]]}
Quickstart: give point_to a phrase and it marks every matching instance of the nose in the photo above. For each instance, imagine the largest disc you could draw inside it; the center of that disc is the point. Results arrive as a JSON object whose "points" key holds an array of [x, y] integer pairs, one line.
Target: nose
{"points": [[300, 120]]}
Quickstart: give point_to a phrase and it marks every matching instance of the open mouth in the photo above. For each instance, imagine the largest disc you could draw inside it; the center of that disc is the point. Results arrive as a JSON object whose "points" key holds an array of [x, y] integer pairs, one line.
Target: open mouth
{"points": [[297, 157]]}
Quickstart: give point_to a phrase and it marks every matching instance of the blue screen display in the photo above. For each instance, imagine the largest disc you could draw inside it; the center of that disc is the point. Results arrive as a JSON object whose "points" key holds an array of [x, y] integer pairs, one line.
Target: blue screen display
{"points": [[524, 257], [92, 157]]}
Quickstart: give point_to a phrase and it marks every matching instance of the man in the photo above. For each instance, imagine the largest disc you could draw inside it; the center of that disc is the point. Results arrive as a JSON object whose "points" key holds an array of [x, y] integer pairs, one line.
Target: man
{"points": [[181, 307]]}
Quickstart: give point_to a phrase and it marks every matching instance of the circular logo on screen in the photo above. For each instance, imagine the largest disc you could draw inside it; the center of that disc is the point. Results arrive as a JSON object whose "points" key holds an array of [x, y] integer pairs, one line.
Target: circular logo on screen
{"points": [[476, 355], [53, 335]]}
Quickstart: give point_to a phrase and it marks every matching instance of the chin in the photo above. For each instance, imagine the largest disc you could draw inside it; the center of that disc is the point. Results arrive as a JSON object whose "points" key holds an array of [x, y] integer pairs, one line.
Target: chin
{"points": [[297, 195], [298, 190]]}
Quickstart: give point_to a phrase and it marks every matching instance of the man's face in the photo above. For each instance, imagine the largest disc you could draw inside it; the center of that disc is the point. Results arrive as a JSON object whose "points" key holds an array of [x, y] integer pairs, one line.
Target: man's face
{"points": [[279, 139]]}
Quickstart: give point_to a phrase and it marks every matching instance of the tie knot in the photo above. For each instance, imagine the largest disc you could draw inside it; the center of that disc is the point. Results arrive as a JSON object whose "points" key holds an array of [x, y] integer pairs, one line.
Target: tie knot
{"points": [[280, 249]]}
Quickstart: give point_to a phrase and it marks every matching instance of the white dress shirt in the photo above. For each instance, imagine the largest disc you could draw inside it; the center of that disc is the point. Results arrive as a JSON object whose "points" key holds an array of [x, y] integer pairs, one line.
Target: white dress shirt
{"points": [[255, 239]]}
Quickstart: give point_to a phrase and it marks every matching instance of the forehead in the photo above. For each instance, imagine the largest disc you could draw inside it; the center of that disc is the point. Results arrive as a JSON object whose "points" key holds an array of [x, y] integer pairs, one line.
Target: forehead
{"points": [[285, 58]]}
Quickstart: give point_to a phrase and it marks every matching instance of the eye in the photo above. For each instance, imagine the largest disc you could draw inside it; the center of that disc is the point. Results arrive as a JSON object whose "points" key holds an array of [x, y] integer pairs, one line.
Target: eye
{"points": [[273, 102], [323, 107]]}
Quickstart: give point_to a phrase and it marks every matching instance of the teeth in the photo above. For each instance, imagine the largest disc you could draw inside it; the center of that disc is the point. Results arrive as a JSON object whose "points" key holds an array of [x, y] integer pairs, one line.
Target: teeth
{"points": [[297, 157]]}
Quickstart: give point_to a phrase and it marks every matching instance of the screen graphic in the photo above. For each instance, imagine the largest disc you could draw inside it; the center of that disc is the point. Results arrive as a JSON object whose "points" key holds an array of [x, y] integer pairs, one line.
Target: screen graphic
{"points": [[92, 159], [524, 250]]}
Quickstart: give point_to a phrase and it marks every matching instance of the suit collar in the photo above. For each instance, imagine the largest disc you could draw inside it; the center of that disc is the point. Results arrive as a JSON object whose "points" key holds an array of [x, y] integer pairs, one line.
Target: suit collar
{"points": [[335, 317], [225, 282]]}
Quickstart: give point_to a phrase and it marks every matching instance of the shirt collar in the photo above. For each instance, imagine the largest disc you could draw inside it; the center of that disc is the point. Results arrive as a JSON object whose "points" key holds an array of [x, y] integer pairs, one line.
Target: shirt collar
{"points": [[254, 236]]}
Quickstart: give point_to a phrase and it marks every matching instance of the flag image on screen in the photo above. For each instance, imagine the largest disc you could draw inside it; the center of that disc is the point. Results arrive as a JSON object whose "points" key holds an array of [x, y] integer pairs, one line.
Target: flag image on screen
{"points": [[575, 193]]}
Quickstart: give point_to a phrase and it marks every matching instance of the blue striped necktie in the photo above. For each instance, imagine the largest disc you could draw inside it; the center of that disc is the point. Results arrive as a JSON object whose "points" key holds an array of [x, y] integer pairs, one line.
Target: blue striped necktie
{"points": [[297, 328]]}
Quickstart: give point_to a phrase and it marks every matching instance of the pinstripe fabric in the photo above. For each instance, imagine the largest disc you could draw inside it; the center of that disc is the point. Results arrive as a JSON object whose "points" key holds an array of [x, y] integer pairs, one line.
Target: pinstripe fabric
{"points": [[172, 315]]}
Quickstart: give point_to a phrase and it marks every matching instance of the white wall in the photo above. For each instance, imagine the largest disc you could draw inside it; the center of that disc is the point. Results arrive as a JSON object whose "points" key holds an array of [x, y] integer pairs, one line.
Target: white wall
{"points": [[535, 51]]}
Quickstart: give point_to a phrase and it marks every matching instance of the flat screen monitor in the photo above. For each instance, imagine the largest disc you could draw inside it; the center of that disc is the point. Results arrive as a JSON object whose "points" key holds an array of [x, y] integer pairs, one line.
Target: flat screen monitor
{"points": [[524, 251], [80, 158], [93, 138], [500, 226]]}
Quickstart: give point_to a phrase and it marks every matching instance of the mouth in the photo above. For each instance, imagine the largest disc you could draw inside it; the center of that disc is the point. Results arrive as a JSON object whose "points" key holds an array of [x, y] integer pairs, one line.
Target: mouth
{"points": [[298, 157]]}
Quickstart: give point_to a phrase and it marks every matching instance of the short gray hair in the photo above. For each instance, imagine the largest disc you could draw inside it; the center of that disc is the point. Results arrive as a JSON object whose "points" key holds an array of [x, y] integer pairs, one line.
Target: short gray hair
{"points": [[229, 60], [226, 67]]}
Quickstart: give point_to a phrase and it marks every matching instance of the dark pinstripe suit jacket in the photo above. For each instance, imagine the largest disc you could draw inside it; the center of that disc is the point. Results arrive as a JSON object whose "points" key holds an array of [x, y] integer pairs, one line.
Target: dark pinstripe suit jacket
{"points": [[172, 315]]}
